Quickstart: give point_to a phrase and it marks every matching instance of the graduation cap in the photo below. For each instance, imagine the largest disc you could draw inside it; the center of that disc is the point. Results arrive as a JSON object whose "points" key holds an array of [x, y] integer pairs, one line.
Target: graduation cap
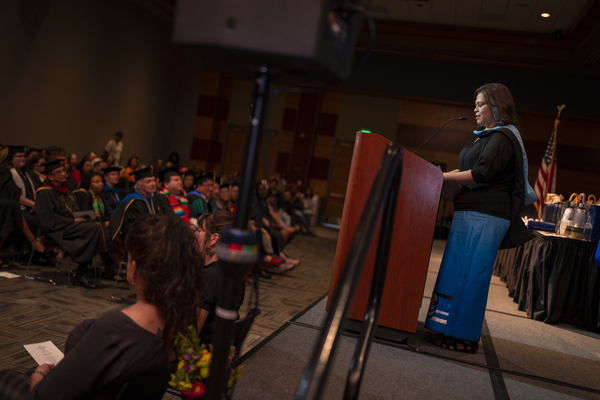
{"points": [[52, 165], [147, 172], [206, 177], [167, 173], [110, 169]]}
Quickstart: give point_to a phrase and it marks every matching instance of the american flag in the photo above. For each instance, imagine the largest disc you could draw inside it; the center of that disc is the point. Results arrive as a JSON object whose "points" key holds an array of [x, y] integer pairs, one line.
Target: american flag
{"points": [[546, 179]]}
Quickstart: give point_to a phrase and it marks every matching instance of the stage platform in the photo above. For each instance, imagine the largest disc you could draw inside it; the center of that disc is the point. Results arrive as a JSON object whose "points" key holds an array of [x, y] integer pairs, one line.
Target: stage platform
{"points": [[519, 358]]}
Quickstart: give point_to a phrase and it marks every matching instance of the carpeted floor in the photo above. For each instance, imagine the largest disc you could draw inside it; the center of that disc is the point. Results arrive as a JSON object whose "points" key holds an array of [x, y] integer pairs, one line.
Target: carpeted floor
{"points": [[33, 311], [519, 358]]}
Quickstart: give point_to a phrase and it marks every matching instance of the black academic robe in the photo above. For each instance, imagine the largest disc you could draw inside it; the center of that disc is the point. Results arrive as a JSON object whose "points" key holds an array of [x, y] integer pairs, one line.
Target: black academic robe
{"points": [[10, 191], [85, 202], [11, 218], [131, 209], [113, 199], [82, 240]]}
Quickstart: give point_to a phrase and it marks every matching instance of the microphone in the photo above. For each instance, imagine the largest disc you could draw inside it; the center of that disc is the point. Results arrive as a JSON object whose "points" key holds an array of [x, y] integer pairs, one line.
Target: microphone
{"points": [[434, 133]]}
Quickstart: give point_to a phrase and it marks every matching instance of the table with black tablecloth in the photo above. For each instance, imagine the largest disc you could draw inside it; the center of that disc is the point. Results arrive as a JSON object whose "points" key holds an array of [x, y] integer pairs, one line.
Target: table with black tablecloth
{"points": [[554, 280]]}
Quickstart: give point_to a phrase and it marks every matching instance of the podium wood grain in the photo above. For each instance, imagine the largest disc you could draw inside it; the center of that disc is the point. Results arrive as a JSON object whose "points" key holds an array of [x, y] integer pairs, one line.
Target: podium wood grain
{"points": [[418, 202]]}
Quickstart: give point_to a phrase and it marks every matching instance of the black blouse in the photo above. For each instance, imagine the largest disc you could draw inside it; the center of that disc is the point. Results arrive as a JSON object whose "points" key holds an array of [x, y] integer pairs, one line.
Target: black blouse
{"points": [[100, 356], [491, 160], [213, 277]]}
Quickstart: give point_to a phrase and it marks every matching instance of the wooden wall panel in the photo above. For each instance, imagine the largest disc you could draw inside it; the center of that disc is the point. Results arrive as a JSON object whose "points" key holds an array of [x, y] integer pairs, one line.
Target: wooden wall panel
{"points": [[319, 186]]}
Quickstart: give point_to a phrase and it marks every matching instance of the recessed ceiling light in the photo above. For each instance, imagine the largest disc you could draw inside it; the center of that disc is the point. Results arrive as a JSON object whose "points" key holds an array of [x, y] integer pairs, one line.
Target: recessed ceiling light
{"points": [[545, 15]]}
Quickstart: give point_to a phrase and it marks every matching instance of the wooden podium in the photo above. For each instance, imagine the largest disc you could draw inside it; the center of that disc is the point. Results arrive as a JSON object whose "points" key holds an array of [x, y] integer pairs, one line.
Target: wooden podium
{"points": [[418, 202]]}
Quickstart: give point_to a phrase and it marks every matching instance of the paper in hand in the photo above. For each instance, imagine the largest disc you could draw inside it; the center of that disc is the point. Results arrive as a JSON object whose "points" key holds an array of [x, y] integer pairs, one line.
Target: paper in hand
{"points": [[44, 353]]}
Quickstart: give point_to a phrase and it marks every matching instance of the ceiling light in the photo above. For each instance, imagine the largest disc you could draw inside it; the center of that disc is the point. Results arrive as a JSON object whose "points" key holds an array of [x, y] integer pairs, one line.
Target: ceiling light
{"points": [[545, 15]]}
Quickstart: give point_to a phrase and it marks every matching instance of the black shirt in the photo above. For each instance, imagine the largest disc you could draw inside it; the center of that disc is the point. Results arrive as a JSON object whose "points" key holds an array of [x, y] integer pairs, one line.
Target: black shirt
{"points": [[492, 162], [100, 356], [213, 277]]}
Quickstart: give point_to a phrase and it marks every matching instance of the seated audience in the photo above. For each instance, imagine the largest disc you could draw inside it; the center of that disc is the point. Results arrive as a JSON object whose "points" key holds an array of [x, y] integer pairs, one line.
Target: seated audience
{"points": [[173, 191], [98, 164], [224, 203], [311, 204], [71, 183], [90, 197], [280, 235], [56, 210], [188, 182], [276, 212], [51, 153], [295, 208], [19, 184], [36, 164], [141, 201], [112, 194], [215, 194], [200, 200], [73, 161], [132, 165], [279, 204], [11, 220], [209, 230], [101, 355], [234, 192], [84, 166]]}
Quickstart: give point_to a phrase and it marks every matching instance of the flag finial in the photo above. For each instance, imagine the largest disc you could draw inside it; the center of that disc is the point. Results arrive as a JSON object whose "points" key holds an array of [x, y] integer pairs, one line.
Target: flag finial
{"points": [[560, 108]]}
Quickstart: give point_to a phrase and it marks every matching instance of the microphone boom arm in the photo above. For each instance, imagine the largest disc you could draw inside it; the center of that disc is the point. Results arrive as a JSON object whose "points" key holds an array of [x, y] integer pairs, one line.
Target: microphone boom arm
{"points": [[434, 133]]}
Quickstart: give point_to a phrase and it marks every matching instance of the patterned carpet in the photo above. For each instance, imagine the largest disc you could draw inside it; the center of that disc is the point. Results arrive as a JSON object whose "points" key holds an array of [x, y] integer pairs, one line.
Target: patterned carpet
{"points": [[33, 311]]}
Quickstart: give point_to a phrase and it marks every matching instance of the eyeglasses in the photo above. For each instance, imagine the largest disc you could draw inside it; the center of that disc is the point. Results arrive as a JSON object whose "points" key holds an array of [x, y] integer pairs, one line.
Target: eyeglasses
{"points": [[61, 171]]}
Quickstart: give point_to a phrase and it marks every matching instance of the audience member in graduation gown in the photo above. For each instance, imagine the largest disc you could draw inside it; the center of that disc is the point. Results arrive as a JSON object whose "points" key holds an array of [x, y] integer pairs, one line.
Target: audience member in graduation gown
{"points": [[210, 227], [55, 208], [11, 220], [16, 183], [173, 191], [143, 200], [103, 354], [493, 180], [112, 194], [188, 182], [200, 199], [90, 197]]}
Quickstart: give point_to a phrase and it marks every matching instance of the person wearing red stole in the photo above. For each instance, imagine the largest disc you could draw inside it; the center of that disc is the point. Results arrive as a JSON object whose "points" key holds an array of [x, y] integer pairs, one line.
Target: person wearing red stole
{"points": [[173, 191]]}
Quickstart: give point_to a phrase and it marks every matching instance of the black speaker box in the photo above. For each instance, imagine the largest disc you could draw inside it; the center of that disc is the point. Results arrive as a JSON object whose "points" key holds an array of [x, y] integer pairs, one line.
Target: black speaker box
{"points": [[312, 40]]}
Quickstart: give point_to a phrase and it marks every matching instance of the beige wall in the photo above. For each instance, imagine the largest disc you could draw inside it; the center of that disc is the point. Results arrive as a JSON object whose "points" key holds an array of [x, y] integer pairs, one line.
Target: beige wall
{"points": [[75, 72]]}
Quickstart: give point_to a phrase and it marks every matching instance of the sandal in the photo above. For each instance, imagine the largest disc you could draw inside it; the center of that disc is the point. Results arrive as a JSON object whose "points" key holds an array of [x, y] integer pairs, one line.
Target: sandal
{"points": [[464, 346]]}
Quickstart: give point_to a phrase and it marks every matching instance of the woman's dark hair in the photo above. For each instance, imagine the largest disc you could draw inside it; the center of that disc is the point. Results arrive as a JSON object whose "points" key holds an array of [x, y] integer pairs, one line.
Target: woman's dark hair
{"points": [[501, 103], [131, 159], [34, 160], [214, 223], [168, 261], [174, 158], [82, 162], [9, 156], [86, 181]]}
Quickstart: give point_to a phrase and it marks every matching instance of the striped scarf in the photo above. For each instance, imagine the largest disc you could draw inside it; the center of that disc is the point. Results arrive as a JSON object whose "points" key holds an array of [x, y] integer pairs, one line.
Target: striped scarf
{"points": [[98, 205], [179, 204]]}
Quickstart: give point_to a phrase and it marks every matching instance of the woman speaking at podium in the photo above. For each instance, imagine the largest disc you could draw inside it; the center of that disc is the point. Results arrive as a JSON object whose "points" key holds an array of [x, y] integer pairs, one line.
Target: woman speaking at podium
{"points": [[493, 177]]}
